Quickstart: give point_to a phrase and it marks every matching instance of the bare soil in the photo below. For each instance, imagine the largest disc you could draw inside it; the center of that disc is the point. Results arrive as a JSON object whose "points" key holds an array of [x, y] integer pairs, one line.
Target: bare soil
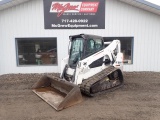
{"points": [[138, 99]]}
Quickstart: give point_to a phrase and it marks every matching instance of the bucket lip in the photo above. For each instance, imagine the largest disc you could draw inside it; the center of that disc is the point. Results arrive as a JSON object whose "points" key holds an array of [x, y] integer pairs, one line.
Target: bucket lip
{"points": [[47, 80], [62, 105]]}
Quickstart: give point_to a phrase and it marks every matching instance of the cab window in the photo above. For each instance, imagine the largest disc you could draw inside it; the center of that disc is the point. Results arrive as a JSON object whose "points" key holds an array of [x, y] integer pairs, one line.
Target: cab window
{"points": [[93, 45]]}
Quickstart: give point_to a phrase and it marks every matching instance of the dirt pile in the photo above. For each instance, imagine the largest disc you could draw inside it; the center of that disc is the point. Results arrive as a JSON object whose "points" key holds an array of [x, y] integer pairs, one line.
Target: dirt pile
{"points": [[138, 99]]}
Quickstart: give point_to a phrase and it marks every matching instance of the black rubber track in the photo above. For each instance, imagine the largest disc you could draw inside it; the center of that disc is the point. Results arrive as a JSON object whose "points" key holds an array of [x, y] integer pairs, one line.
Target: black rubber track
{"points": [[88, 83]]}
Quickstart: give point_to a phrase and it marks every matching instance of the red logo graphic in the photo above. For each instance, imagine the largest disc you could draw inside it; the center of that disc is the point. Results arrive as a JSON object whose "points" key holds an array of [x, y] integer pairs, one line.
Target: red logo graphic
{"points": [[82, 7], [89, 7], [60, 8]]}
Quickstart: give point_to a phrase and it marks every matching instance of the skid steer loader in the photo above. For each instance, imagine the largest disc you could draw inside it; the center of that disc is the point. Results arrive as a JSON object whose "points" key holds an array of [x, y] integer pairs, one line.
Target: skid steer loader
{"points": [[91, 67]]}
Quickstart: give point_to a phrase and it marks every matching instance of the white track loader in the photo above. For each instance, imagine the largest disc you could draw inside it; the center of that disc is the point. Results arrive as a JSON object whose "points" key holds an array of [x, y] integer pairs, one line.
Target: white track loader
{"points": [[91, 67]]}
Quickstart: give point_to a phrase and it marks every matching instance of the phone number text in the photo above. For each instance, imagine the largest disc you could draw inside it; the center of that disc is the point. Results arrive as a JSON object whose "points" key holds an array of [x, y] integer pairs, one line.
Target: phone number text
{"points": [[74, 20]]}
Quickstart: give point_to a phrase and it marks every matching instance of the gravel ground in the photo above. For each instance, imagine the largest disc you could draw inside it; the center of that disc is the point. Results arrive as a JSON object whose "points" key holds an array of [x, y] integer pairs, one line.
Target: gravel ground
{"points": [[138, 99]]}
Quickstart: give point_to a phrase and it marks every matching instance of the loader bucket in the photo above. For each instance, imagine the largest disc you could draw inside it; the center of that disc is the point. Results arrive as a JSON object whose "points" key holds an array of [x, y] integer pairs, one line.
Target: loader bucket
{"points": [[58, 93]]}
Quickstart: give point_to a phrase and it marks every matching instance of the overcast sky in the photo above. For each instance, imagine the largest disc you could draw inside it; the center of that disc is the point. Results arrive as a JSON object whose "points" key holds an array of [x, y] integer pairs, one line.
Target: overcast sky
{"points": [[157, 2]]}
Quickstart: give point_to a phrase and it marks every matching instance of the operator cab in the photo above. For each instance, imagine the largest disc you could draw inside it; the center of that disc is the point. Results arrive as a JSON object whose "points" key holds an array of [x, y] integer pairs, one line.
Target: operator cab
{"points": [[82, 46]]}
